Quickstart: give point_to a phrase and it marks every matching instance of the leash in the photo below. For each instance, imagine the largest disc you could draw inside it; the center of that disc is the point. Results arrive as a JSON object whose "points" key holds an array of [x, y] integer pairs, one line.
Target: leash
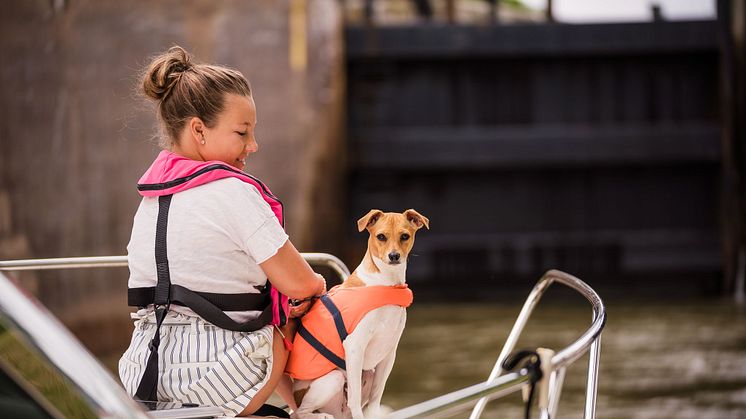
{"points": [[298, 301], [295, 302], [531, 361]]}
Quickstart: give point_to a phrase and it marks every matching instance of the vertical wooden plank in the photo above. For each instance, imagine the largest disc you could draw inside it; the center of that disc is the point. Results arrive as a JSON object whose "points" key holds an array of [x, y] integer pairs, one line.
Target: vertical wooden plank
{"points": [[297, 49], [608, 93], [634, 103], [548, 92], [663, 94], [578, 92]]}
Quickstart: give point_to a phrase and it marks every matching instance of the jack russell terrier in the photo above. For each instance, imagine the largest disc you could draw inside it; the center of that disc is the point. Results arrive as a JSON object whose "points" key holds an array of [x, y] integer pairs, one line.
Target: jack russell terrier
{"points": [[351, 334]]}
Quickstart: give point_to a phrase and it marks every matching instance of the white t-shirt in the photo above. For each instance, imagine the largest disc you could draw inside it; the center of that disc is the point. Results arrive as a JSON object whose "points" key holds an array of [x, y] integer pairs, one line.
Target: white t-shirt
{"points": [[217, 235]]}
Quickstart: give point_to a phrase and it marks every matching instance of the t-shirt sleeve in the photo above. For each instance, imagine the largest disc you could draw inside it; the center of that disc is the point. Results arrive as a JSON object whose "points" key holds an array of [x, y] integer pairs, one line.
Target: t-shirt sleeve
{"points": [[266, 241], [256, 227]]}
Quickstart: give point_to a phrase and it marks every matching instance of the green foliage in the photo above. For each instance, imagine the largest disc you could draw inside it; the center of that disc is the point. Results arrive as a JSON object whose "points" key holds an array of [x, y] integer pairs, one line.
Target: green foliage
{"points": [[39, 375]]}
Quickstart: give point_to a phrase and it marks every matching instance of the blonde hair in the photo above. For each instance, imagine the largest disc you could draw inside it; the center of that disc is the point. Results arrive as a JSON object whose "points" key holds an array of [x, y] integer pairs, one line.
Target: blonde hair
{"points": [[184, 90]]}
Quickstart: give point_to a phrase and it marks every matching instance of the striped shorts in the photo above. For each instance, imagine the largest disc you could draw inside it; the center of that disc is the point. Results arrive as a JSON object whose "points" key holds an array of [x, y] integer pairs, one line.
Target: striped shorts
{"points": [[198, 362]]}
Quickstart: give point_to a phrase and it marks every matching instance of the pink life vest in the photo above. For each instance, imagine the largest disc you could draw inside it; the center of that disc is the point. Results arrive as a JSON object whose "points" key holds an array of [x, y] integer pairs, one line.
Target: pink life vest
{"points": [[171, 173]]}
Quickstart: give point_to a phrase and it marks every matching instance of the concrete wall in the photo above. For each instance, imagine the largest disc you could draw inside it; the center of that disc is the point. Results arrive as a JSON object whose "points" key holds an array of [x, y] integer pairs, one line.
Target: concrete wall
{"points": [[75, 134]]}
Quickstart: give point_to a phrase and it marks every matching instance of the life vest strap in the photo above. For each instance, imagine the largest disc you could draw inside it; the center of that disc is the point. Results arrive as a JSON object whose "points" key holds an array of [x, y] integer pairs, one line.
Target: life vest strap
{"points": [[213, 314], [162, 287], [147, 390], [323, 350], [144, 296], [336, 316], [164, 294]]}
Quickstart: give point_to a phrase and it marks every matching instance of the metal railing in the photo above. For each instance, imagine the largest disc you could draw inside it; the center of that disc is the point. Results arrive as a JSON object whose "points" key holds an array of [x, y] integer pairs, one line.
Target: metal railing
{"points": [[499, 384], [316, 259]]}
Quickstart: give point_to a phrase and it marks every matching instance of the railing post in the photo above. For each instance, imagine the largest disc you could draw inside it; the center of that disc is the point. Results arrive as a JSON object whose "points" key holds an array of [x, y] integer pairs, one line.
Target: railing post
{"points": [[592, 381]]}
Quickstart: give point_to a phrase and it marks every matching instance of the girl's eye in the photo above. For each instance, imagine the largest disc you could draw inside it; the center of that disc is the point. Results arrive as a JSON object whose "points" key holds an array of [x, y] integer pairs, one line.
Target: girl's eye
{"points": [[241, 133], [405, 236], [381, 237]]}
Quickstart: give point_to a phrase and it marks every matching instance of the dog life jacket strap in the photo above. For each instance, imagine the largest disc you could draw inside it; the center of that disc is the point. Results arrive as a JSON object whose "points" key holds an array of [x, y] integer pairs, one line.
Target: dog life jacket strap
{"points": [[341, 331], [336, 315], [320, 348]]}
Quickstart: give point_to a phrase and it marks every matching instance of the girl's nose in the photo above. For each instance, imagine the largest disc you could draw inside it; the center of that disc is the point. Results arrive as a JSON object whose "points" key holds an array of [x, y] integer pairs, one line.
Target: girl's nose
{"points": [[252, 146]]}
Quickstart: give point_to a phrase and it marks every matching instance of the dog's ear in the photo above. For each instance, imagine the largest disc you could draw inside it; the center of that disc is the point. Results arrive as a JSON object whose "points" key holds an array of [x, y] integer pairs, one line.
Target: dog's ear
{"points": [[417, 219], [369, 219]]}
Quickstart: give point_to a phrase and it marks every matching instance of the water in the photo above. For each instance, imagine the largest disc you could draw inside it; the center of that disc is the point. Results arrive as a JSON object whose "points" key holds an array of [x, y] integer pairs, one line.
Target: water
{"points": [[658, 359]]}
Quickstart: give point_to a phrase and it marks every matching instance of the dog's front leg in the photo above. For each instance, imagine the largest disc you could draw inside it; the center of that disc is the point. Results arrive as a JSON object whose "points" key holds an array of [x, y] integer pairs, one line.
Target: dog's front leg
{"points": [[318, 396], [355, 345], [382, 372], [380, 376]]}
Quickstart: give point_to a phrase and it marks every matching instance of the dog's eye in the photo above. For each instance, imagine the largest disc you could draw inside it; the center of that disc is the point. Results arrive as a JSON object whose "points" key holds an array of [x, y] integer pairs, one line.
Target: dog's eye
{"points": [[405, 236], [381, 237]]}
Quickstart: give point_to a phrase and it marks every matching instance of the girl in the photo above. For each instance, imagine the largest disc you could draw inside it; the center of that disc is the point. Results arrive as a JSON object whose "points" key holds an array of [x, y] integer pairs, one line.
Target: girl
{"points": [[206, 228]]}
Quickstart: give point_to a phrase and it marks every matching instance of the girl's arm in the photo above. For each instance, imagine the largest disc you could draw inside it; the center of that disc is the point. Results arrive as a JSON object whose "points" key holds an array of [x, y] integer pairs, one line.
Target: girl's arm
{"points": [[291, 274]]}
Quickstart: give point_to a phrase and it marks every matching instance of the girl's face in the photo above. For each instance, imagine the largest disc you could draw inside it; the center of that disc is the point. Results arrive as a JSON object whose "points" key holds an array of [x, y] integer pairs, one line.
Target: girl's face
{"points": [[232, 138]]}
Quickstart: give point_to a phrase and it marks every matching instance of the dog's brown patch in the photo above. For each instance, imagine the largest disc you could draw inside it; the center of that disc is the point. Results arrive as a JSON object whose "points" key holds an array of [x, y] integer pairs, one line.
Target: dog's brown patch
{"points": [[353, 281], [368, 263], [298, 396]]}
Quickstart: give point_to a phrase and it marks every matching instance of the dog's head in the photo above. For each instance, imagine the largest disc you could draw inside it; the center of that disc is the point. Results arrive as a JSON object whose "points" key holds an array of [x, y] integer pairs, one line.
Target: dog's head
{"points": [[392, 234]]}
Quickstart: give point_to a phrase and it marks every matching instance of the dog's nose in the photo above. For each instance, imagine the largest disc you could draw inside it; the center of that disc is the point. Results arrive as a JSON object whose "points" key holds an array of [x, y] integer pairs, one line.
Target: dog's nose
{"points": [[394, 256]]}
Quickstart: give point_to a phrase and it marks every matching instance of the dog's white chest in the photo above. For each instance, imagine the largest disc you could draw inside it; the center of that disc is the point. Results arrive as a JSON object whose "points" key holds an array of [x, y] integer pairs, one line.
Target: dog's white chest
{"points": [[377, 334]]}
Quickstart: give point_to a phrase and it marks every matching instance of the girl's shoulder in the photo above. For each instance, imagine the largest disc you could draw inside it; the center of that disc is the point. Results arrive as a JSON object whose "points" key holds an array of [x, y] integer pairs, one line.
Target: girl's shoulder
{"points": [[227, 193], [229, 187]]}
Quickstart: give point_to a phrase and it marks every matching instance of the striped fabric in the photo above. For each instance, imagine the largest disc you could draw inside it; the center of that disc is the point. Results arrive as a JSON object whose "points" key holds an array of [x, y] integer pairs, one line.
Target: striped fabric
{"points": [[200, 363]]}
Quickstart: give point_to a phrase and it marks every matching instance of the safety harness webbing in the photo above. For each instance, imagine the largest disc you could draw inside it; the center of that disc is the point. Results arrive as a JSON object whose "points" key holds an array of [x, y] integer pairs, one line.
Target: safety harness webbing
{"points": [[144, 296], [341, 331], [148, 388], [209, 306]]}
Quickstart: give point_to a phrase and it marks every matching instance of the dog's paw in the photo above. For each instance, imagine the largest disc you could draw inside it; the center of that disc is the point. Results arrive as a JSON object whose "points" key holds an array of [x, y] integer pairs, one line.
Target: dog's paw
{"points": [[295, 415], [377, 412]]}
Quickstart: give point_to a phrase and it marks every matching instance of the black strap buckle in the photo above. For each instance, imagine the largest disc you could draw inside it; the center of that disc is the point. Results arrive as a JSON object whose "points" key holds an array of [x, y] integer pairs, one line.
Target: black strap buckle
{"points": [[531, 361]]}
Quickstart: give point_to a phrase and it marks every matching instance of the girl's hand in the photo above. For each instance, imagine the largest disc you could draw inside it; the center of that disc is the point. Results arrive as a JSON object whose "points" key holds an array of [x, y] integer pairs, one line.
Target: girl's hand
{"points": [[300, 309], [303, 307], [291, 274], [322, 285]]}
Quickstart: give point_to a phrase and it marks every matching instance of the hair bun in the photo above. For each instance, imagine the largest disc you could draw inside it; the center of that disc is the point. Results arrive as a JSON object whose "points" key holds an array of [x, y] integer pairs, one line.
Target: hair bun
{"points": [[165, 71]]}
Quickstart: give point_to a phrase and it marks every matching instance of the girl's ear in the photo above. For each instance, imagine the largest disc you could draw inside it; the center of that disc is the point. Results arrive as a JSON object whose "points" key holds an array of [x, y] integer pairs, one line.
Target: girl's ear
{"points": [[196, 130]]}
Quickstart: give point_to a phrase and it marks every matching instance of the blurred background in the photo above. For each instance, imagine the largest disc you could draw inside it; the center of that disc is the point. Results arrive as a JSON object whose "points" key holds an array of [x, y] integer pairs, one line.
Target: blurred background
{"points": [[603, 138]]}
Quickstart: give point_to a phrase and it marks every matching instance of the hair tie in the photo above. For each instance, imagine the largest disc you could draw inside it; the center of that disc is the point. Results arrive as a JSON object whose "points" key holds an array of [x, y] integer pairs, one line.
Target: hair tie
{"points": [[175, 79]]}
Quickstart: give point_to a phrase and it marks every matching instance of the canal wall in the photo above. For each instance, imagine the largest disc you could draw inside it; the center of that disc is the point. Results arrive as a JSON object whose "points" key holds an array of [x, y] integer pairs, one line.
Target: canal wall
{"points": [[76, 134]]}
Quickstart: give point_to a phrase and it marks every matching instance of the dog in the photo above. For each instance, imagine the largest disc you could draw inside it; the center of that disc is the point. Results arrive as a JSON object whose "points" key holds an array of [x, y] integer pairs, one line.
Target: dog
{"points": [[364, 324]]}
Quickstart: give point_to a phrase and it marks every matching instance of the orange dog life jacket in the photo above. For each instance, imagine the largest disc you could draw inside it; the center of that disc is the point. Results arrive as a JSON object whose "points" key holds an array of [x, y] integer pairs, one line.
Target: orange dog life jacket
{"points": [[317, 347]]}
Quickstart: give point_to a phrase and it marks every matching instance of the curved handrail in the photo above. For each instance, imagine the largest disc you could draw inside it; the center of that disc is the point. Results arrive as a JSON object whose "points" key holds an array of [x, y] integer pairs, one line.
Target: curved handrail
{"points": [[580, 346], [567, 355], [319, 259], [499, 384], [447, 404]]}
